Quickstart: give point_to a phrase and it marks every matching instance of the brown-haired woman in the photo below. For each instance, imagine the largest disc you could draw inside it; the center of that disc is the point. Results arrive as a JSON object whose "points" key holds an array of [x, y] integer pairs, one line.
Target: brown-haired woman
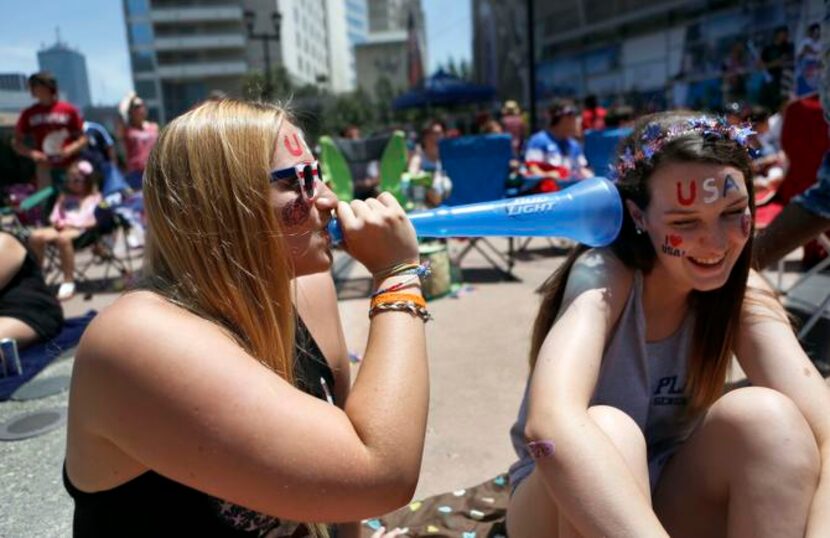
{"points": [[625, 430], [192, 411]]}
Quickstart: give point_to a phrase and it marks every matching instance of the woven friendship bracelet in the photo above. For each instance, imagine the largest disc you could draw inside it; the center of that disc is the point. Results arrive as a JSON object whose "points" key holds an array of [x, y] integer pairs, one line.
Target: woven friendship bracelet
{"points": [[418, 300], [395, 270], [415, 281], [401, 306]]}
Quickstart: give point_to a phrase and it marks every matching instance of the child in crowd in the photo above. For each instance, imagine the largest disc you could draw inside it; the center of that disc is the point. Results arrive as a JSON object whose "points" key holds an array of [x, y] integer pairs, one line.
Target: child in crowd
{"points": [[72, 215]]}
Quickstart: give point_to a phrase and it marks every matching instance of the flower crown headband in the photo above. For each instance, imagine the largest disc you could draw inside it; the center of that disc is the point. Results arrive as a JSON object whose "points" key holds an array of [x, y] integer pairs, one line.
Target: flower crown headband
{"points": [[654, 138]]}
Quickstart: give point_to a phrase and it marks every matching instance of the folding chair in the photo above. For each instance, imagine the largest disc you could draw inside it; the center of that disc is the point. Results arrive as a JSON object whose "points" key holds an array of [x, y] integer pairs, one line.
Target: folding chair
{"points": [[341, 158], [102, 242], [479, 167], [10, 216], [764, 216], [601, 146]]}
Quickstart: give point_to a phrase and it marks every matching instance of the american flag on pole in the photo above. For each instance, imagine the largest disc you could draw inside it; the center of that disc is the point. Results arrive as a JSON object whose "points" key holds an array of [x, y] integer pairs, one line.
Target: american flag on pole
{"points": [[415, 67]]}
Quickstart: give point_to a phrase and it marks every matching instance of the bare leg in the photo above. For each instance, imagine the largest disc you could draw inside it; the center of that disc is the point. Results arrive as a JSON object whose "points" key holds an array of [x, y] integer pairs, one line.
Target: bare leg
{"points": [[792, 228], [38, 241], [532, 511], [749, 470], [14, 328], [67, 253]]}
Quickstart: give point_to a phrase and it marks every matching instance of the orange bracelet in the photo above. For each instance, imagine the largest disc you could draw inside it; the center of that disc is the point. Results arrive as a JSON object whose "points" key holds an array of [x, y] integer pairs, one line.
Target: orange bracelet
{"points": [[383, 298]]}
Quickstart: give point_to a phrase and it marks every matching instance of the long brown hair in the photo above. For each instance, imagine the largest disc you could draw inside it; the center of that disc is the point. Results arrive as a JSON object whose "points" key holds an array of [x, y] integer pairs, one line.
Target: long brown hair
{"points": [[717, 311]]}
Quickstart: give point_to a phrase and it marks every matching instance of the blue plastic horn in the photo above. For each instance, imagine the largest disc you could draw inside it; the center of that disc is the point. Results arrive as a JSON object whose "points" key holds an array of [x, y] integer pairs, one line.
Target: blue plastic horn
{"points": [[589, 212]]}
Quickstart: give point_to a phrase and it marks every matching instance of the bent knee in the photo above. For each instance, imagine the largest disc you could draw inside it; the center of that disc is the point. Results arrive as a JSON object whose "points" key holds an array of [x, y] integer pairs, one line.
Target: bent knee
{"points": [[768, 423], [619, 427]]}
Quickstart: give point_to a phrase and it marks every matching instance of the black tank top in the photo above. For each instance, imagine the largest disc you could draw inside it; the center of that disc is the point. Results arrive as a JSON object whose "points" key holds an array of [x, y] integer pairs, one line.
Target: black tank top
{"points": [[152, 505], [27, 298]]}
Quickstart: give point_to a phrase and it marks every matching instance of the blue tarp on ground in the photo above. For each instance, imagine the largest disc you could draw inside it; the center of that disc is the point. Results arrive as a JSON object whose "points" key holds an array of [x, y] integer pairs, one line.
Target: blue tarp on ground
{"points": [[36, 357]]}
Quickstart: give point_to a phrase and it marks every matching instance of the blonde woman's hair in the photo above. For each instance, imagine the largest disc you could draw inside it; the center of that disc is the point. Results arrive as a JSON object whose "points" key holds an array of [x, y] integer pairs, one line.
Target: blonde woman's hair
{"points": [[215, 245]]}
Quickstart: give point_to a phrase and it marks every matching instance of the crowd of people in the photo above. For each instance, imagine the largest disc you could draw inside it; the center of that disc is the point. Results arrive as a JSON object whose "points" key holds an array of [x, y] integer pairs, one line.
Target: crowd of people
{"points": [[79, 162], [215, 396]]}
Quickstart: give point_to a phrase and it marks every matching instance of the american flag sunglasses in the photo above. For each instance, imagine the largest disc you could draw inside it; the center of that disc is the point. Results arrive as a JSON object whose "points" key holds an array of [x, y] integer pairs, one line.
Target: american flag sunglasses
{"points": [[305, 176]]}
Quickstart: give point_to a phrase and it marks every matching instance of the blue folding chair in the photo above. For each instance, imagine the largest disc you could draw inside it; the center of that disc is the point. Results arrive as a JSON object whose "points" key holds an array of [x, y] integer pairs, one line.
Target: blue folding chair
{"points": [[479, 167], [601, 146]]}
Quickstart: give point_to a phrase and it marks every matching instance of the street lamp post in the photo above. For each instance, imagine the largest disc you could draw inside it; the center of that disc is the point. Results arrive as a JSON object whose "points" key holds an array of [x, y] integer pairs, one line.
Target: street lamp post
{"points": [[265, 37]]}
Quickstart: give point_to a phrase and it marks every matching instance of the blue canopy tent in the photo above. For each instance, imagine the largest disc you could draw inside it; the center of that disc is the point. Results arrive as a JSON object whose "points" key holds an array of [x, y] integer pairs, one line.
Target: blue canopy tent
{"points": [[443, 89]]}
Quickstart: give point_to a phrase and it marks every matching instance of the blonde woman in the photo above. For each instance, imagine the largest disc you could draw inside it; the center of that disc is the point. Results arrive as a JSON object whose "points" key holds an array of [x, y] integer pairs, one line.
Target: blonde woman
{"points": [[192, 411]]}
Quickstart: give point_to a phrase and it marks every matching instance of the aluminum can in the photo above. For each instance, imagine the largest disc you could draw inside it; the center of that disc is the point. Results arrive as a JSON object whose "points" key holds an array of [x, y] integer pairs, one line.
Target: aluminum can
{"points": [[11, 358]]}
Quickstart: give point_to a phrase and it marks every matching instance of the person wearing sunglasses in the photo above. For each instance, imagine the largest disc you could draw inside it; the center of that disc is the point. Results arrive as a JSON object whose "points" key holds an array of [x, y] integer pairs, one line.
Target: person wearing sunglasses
{"points": [[205, 402], [555, 152]]}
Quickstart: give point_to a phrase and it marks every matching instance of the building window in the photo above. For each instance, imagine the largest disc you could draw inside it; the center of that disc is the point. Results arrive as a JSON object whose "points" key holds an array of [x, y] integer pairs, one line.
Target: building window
{"points": [[137, 8], [146, 89], [140, 34], [142, 60]]}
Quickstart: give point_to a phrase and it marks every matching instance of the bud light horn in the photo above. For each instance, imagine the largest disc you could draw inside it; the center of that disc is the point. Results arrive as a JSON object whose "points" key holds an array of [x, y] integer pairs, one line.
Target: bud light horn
{"points": [[589, 212]]}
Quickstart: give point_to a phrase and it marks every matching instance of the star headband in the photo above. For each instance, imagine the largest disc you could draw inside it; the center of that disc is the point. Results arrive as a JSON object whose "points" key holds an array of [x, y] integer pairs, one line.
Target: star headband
{"points": [[654, 138]]}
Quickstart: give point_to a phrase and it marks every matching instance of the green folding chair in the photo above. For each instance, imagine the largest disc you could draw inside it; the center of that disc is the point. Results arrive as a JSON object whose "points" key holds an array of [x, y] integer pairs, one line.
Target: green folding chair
{"points": [[339, 156], [9, 218]]}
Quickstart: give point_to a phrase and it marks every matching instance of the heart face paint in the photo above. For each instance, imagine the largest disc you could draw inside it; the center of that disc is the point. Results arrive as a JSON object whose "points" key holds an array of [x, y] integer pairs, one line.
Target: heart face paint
{"points": [[295, 212], [295, 149], [686, 200], [671, 246]]}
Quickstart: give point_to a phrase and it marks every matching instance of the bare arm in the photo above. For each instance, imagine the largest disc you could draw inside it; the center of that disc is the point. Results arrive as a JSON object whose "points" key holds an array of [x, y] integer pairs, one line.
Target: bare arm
{"points": [[12, 256], [176, 394], [25, 151], [586, 475], [75, 147], [770, 354], [316, 303]]}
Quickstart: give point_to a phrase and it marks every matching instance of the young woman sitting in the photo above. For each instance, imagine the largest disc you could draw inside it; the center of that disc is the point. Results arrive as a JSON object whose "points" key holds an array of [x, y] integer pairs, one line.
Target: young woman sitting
{"points": [[625, 429]]}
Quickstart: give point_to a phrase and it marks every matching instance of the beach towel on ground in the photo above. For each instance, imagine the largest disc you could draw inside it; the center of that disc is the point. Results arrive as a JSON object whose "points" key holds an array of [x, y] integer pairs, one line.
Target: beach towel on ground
{"points": [[476, 512]]}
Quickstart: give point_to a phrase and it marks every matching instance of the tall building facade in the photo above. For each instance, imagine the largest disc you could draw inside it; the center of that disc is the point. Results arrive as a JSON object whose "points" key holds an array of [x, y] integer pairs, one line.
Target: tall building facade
{"points": [[182, 50], [500, 47], [648, 53], [382, 57], [357, 31], [14, 92], [69, 68]]}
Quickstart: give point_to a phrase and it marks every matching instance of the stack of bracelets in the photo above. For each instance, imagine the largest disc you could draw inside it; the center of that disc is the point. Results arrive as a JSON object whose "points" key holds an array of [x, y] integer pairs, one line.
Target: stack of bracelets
{"points": [[393, 299]]}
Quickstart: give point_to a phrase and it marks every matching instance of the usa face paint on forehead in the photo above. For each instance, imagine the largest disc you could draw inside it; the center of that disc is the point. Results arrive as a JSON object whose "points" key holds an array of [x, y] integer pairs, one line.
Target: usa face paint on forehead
{"points": [[686, 198], [293, 144], [711, 191]]}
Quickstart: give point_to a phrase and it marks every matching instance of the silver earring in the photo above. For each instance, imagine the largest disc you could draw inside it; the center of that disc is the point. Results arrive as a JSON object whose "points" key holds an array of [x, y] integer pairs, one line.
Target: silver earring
{"points": [[639, 231]]}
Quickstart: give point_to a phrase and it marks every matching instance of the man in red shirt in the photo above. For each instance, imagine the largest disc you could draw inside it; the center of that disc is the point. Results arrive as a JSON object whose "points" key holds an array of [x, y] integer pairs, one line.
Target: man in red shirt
{"points": [[56, 128]]}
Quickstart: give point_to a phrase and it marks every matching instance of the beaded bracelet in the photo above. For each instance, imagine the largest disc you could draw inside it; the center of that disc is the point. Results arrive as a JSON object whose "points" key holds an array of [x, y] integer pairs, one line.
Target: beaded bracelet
{"points": [[401, 306], [417, 300]]}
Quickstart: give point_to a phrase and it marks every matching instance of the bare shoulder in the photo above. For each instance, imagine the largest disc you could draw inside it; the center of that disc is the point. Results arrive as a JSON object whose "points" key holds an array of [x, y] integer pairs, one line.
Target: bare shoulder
{"points": [[11, 247], [600, 275]]}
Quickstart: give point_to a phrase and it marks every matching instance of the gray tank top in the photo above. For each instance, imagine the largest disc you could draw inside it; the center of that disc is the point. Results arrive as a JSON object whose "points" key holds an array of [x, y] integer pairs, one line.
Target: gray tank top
{"points": [[646, 380]]}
